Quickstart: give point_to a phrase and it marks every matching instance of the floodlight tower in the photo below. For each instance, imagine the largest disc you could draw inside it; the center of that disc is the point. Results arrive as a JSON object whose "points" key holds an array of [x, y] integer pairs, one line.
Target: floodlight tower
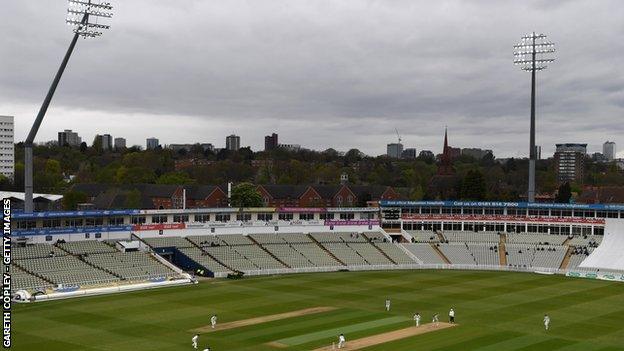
{"points": [[532, 54], [84, 16]]}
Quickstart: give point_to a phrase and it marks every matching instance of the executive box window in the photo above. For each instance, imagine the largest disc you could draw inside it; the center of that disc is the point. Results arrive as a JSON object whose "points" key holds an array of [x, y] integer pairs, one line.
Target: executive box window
{"points": [[285, 216], [26, 224], [91, 222], [73, 222], [51, 223], [326, 216], [348, 215], [204, 217], [265, 217], [306, 216], [367, 215], [159, 219], [116, 221], [180, 218], [137, 220], [221, 217], [244, 217]]}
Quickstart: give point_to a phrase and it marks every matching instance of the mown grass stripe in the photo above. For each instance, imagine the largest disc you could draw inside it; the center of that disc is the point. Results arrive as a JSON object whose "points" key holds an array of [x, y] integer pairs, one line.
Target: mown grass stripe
{"points": [[302, 339]]}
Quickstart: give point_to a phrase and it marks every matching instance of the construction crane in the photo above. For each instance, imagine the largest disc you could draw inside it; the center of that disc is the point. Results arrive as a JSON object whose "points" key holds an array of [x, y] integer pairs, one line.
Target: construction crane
{"points": [[398, 135]]}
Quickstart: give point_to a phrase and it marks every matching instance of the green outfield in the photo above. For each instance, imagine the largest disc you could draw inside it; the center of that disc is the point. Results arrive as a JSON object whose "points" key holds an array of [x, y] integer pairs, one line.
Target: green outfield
{"points": [[495, 311]]}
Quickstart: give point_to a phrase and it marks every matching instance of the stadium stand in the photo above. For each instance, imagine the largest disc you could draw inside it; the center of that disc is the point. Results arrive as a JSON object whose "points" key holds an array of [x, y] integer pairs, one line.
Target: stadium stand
{"points": [[316, 255], [457, 253], [541, 239], [395, 253], [424, 237], [203, 259], [345, 254], [137, 265], [424, 252], [36, 251], [167, 241], [485, 254], [86, 247], [471, 237], [66, 270], [370, 253]]}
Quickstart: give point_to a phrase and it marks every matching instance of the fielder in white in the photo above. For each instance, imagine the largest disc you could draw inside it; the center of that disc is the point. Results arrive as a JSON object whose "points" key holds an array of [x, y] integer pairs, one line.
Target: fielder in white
{"points": [[341, 341], [213, 321], [436, 319], [417, 319], [194, 340], [452, 316], [387, 305], [546, 321]]}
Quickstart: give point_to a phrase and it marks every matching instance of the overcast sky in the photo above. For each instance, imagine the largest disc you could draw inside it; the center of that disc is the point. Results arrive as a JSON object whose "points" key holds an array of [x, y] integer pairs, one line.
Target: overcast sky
{"points": [[340, 73]]}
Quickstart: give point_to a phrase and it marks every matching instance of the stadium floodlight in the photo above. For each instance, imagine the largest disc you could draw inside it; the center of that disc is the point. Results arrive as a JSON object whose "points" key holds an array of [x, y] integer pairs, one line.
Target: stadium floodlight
{"points": [[532, 54], [84, 16]]}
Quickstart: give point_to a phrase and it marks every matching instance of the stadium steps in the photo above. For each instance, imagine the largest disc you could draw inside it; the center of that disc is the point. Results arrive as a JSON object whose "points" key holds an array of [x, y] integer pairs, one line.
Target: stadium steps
{"points": [[502, 250], [439, 252], [566, 259], [17, 263], [209, 255], [325, 249], [80, 257], [441, 237], [380, 250], [357, 253], [267, 251]]}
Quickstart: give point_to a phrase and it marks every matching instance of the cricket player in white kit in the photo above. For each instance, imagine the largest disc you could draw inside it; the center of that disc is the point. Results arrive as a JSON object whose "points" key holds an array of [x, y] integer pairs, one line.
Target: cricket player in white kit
{"points": [[387, 305], [435, 319], [341, 341], [194, 340], [452, 316], [213, 321], [417, 319], [546, 321]]}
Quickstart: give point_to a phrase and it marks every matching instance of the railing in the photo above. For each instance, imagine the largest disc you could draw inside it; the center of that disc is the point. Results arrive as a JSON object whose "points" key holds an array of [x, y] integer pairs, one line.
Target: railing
{"points": [[543, 270]]}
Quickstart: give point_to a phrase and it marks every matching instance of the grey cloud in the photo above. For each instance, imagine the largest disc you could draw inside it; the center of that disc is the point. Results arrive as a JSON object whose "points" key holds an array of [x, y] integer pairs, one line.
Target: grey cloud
{"points": [[322, 73]]}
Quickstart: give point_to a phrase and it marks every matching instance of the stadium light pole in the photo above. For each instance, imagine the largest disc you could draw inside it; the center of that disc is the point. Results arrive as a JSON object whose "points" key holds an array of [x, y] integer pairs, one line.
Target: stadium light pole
{"points": [[532, 54], [83, 15]]}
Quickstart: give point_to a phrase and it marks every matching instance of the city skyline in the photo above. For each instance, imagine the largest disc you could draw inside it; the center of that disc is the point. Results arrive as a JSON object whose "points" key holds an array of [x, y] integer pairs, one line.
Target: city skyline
{"points": [[324, 75]]}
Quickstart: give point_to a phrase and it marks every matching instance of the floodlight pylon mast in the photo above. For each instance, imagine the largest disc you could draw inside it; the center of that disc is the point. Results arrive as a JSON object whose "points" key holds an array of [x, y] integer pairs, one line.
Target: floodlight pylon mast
{"points": [[84, 10], [533, 45]]}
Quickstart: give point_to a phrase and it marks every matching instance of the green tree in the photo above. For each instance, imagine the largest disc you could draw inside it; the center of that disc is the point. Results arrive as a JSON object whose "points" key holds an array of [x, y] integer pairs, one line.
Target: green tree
{"points": [[133, 199], [175, 178], [473, 186], [71, 199], [564, 194], [246, 195]]}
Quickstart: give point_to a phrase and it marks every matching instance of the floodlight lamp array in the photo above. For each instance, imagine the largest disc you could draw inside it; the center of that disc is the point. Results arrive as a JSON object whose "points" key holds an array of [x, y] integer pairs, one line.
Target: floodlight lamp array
{"points": [[84, 15]]}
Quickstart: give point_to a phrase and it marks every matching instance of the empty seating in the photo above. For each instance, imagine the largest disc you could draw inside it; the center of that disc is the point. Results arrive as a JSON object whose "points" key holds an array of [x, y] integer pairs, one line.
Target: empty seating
{"points": [[203, 259], [339, 237], [370, 253], [36, 251], [543, 239], [485, 254], [395, 253], [471, 237], [167, 241], [66, 270], [86, 247], [258, 256], [235, 239], [345, 254], [457, 253], [425, 253], [424, 236], [289, 255], [316, 255], [130, 265]]}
